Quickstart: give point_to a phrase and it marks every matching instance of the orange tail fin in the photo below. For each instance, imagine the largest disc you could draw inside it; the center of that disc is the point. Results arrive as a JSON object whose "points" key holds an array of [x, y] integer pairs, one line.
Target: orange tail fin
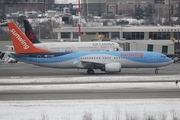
{"points": [[21, 43]]}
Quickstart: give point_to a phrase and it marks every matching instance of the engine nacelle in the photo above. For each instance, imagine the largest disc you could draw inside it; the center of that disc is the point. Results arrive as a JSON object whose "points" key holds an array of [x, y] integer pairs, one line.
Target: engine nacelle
{"points": [[112, 67]]}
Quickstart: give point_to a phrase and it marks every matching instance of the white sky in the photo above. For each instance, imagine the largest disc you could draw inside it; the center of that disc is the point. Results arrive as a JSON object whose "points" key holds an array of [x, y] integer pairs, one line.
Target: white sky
{"points": [[98, 109]]}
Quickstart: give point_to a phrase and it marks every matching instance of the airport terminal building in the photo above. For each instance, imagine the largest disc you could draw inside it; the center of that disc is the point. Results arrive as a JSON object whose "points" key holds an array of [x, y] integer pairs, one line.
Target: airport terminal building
{"points": [[128, 32], [150, 38]]}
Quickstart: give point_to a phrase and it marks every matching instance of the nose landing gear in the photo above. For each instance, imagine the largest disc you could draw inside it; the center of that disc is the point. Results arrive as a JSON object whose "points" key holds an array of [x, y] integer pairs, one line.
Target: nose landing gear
{"points": [[156, 71]]}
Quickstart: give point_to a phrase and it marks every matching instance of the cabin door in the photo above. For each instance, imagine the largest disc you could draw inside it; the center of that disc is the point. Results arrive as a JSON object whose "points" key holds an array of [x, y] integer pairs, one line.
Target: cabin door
{"points": [[154, 58], [102, 59], [39, 58]]}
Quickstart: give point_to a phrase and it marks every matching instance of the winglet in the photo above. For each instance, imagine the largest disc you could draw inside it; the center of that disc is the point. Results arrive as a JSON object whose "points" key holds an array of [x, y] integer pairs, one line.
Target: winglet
{"points": [[22, 44]]}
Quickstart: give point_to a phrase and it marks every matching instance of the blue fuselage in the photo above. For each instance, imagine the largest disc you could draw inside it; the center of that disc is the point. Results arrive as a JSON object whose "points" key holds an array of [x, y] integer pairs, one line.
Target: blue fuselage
{"points": [[127, 59]]}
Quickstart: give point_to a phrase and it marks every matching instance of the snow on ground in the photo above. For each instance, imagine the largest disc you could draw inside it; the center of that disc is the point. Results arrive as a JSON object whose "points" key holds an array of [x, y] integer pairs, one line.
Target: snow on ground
{"points": [[157, 85], [139, 109], [28, 79], [109, 109], [162, 85]]}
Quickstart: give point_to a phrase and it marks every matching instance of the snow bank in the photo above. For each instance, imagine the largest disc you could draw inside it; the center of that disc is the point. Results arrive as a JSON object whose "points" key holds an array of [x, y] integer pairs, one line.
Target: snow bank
{"points": [[95, 109]]}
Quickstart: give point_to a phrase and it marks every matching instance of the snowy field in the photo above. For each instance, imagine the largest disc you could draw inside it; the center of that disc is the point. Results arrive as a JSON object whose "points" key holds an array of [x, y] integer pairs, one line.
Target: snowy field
{"points": [[94, 109], [114, 109], [91, 80], [64, 78]]}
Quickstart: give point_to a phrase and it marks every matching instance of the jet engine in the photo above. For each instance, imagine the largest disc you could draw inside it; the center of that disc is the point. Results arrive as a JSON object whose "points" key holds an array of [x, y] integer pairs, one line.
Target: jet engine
{"points": [[112, 67]]}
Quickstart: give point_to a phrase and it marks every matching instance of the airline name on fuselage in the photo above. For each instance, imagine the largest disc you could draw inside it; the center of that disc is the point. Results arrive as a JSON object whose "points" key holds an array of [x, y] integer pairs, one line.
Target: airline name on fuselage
{"points": [[133, 54], [103, 44], [23, 42]]}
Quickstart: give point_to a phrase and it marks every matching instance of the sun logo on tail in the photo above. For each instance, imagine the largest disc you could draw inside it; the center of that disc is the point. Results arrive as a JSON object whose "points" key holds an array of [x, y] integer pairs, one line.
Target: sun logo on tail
{"points": [[31, 36]]}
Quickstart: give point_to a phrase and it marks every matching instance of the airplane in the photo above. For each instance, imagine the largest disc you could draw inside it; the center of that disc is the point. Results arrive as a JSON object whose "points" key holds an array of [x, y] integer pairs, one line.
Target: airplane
{"points": [[112, 62], [69, 46], [6, 58]]}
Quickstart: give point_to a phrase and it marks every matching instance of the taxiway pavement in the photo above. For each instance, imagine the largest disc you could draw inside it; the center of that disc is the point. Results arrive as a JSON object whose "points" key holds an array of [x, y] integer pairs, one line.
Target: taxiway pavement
{"points": [[23, 69], [8, 71], [133, 93]]}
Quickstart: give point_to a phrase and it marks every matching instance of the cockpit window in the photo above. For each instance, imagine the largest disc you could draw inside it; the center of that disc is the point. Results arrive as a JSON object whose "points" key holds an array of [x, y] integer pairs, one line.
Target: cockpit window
{"points": [[163, 56]]}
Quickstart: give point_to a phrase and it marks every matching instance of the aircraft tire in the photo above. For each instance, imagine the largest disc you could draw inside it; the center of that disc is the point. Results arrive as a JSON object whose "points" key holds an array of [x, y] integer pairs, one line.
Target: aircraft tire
{"points": [[156, 71], [90, 71]]}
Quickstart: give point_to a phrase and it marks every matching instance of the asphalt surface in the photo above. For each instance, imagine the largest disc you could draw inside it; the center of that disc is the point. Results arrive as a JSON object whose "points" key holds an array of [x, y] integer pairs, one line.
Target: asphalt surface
{"points": [[135, 93], [23, 69]]}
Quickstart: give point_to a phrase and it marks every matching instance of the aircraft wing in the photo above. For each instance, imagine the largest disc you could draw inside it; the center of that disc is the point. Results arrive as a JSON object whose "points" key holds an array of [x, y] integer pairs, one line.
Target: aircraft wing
{"points": [[88, 63], [93, 62]]}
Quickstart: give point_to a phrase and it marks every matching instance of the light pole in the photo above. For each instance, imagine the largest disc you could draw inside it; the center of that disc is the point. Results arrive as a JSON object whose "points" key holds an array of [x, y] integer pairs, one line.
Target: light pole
{"points": [[28, 5], [87, 8], [39, 30], [169, 10], [79, 23]]}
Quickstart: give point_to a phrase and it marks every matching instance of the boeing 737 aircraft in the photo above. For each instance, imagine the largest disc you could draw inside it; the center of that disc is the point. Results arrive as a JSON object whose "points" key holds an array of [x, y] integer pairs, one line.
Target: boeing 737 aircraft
{"points": [[106, 61], [69, 46]]}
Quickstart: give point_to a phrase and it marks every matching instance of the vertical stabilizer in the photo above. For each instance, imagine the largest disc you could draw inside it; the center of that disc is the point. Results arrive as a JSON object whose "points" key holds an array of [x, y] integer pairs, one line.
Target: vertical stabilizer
{"points": [[30, 33], [21, 43]]}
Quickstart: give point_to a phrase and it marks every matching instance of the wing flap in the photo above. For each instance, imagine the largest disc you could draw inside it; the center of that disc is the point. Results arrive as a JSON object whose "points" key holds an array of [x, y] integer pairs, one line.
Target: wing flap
{"points": [[89, 64]]}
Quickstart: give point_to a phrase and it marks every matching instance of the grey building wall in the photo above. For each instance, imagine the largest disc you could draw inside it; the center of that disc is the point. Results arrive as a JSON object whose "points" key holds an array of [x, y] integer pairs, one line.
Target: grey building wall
{"points": [[98, 8], [10, 6]]}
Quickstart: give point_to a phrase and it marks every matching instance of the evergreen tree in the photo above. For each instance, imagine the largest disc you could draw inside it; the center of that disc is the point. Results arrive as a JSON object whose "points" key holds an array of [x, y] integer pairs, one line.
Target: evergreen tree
{"points": [[149, 10], [178, 13], [138, 12], [2, 17], [20, 19]]}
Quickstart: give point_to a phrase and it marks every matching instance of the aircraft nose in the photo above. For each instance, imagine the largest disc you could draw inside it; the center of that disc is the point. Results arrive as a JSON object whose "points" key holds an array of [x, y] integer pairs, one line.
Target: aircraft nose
{"points": [[170, 60]]}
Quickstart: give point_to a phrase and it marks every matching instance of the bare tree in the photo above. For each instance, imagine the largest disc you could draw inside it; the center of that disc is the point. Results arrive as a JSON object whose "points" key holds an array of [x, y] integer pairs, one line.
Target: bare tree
{"points": [[87, 116]]}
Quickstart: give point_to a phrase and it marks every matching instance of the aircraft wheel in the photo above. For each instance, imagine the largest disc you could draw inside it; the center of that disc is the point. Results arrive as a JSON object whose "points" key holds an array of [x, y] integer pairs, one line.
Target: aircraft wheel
{"points": [[90, 71], [156, 71]]}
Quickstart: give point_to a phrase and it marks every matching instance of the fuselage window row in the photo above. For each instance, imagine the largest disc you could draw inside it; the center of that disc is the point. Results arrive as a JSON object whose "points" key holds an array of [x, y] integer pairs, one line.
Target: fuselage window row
{"points": [[85, 58]]}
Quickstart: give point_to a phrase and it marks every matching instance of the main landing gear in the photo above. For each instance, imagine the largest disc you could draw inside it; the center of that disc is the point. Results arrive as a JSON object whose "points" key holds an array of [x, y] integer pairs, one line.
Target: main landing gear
{"points": [[156, 71], [90, 71]]}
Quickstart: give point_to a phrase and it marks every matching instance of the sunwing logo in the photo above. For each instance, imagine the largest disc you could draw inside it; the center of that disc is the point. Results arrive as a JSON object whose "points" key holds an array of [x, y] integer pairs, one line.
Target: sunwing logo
{"points": [[23, 42], [133, 54]]}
